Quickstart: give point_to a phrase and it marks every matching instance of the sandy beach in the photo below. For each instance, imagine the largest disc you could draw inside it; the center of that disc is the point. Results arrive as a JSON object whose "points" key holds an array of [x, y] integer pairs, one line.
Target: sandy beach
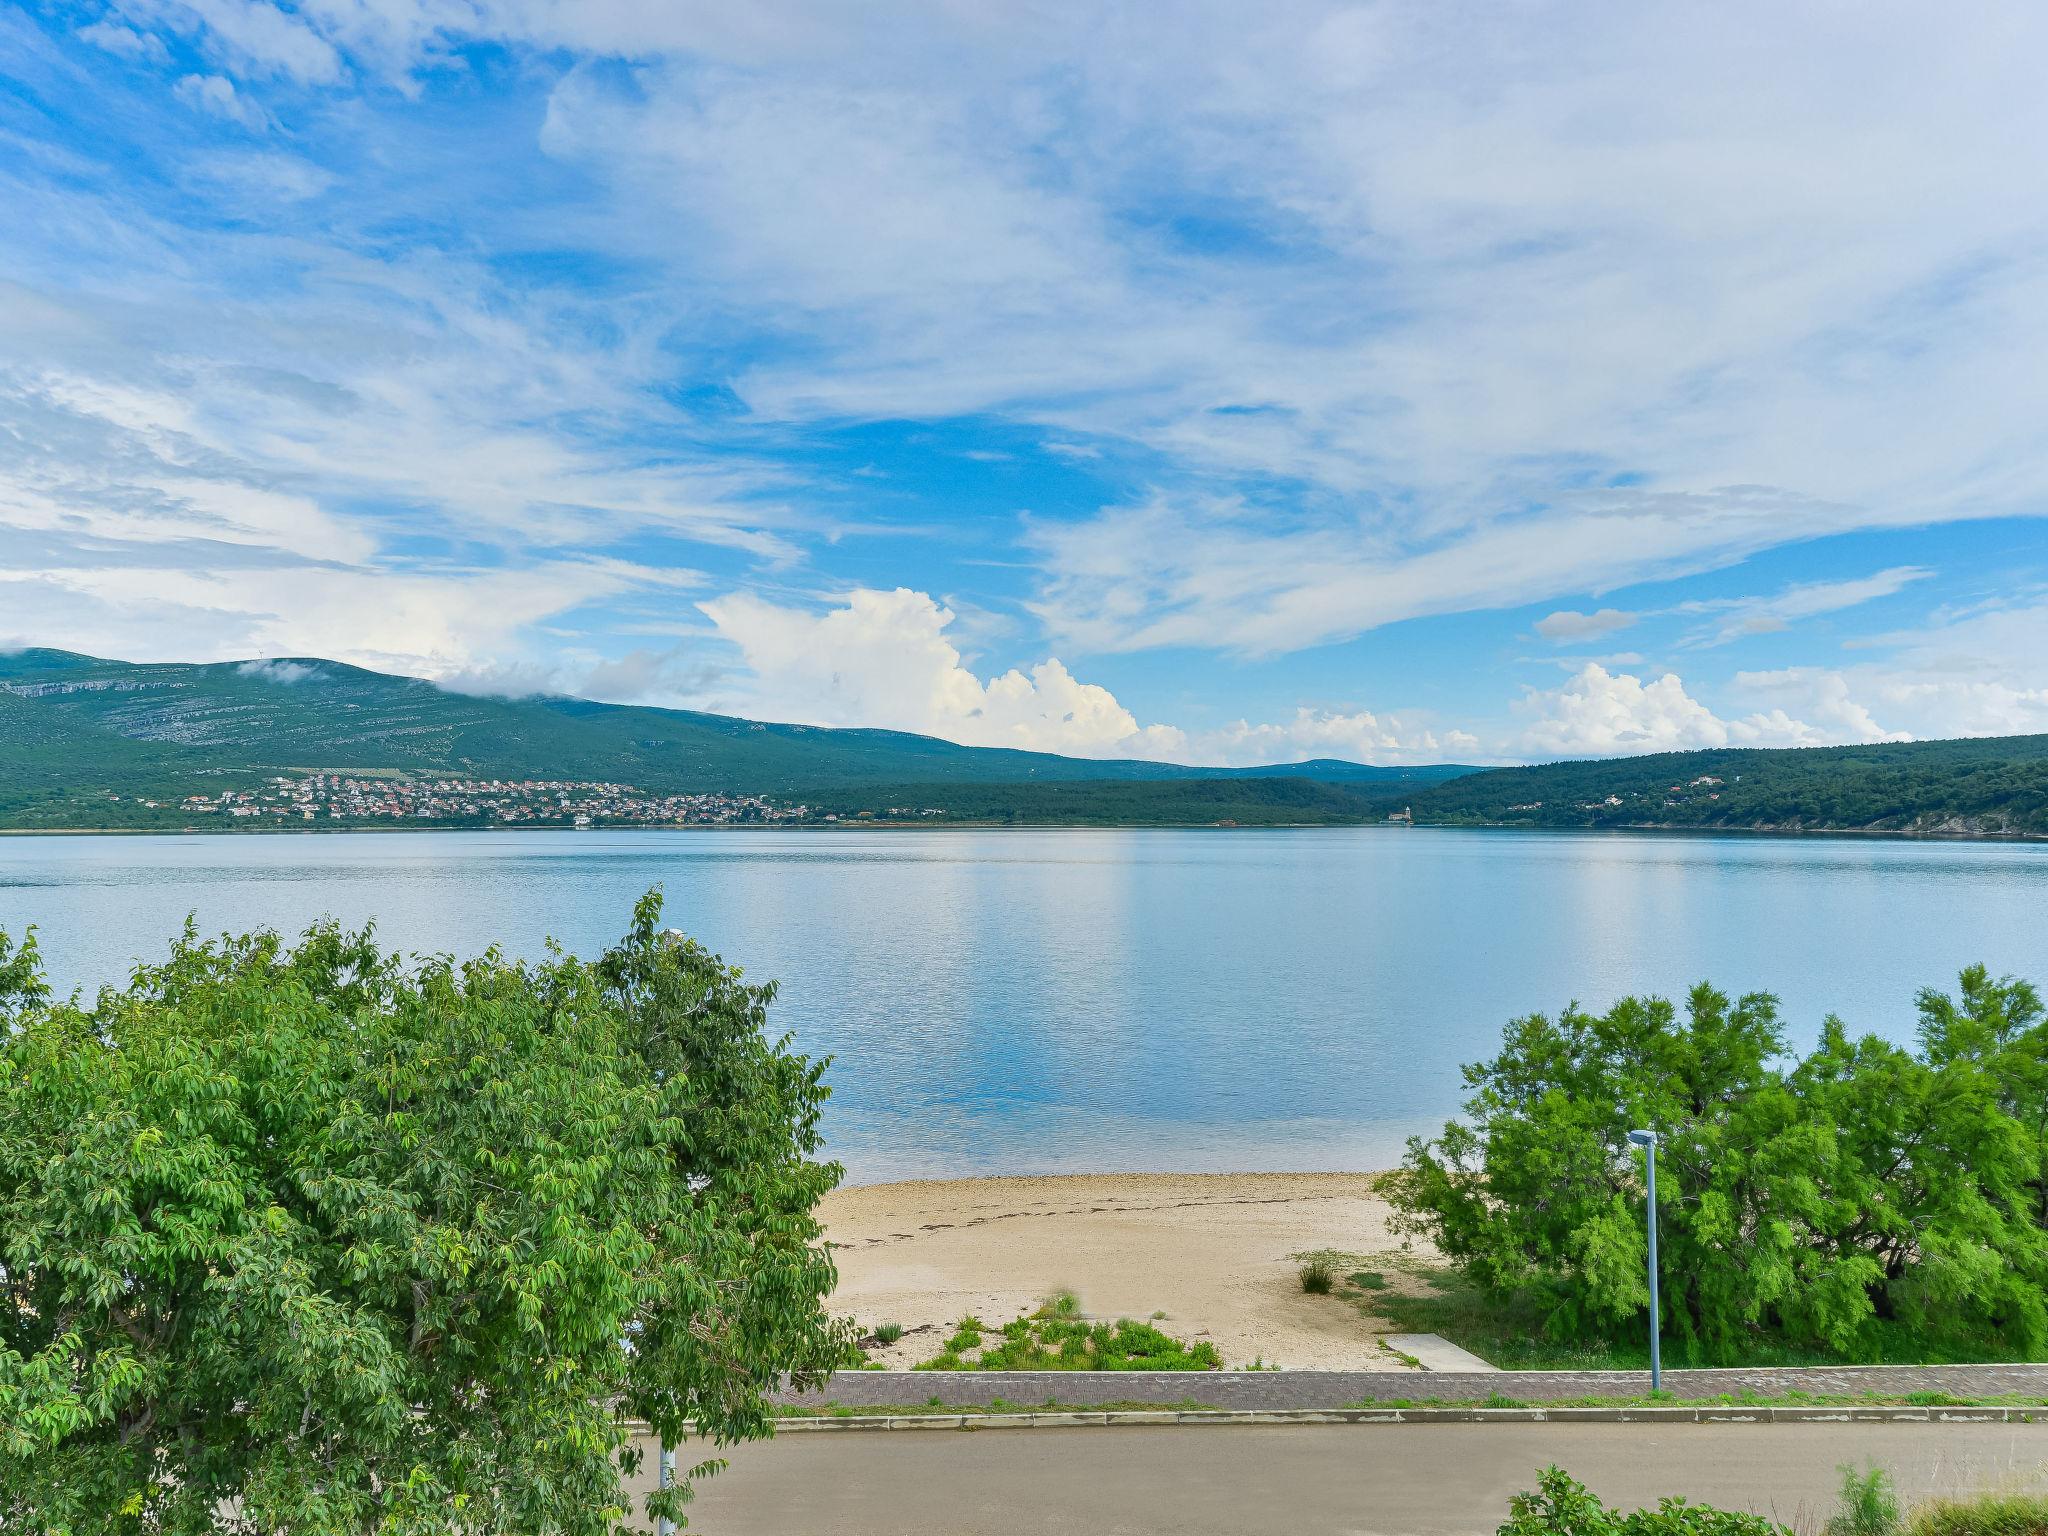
{"points": [[1214, 1252]]}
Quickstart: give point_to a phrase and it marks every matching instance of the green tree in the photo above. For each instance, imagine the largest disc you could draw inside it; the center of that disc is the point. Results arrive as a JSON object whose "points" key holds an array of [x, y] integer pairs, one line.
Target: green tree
{"points": [[1810, 1200], [307, 1239]]}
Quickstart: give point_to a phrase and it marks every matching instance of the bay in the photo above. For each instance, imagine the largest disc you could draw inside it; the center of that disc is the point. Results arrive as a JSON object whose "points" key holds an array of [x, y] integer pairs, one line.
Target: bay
{"points": [[1071, 999]]}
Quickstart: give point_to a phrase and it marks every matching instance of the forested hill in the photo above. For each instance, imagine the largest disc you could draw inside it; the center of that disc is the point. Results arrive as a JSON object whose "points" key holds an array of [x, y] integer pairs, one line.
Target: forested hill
{"points": [[76, 732], [1988, 786], [92, 743]]}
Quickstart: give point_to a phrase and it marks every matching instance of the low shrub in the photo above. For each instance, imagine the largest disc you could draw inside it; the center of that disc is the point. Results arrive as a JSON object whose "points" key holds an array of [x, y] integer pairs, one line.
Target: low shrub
{"points": [[1561, 1506], [1869, 1505], [888, 1333], [1318, 1276]]}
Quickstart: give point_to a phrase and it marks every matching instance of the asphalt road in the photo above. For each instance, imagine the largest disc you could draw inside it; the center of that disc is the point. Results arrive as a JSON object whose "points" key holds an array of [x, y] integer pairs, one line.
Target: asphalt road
{"points": [[1318, 1480]]}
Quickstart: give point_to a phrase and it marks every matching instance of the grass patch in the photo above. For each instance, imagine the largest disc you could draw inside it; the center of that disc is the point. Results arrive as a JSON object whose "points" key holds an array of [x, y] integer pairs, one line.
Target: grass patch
{"points": [[1367, 1280], [1057, 1338], [1509, 1334], [888, 1333], [1998, 1514]]}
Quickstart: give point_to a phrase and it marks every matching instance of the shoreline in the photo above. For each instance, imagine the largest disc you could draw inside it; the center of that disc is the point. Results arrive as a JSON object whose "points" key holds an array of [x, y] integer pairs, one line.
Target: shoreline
{"points": [[1634, 829]]}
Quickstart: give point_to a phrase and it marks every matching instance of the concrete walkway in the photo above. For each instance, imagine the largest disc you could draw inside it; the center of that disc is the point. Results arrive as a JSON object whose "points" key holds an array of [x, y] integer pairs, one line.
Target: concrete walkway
{"points": [[1410, 1480], [1434, 1352], [1335, 1389]]}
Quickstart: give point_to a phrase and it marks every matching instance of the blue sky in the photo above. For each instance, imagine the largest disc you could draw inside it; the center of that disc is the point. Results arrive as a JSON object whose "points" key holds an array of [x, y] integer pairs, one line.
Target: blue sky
{"points": [[1399, 382]]}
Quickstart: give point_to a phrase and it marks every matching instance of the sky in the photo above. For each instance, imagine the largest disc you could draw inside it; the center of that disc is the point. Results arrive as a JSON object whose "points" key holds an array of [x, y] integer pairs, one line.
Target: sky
{"points": [[1409, 382]]}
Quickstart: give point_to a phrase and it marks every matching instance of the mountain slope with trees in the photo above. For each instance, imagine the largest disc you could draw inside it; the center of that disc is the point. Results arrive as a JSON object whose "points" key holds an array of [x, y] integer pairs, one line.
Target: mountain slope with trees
{"points": [[1985, 786], [89, 743]]}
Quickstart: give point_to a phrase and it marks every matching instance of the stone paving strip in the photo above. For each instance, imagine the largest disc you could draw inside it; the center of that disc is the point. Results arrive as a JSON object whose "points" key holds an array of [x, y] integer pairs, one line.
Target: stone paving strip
{"points": [[1270, 1390], [1636, 1414]]}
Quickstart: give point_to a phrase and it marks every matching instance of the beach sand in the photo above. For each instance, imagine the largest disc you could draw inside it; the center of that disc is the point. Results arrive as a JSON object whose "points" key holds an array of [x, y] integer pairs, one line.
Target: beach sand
{"points": [[1211, 1251]]}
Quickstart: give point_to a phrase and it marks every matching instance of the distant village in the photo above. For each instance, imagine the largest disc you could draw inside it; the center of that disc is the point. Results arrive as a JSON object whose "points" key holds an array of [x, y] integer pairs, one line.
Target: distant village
{"points": [[329, 797]]}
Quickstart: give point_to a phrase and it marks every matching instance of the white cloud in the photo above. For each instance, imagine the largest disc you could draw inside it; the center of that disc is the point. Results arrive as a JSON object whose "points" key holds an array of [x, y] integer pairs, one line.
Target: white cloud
{"points": [[1480, 316], [1604, 714], [1358, 737], [1979, 673], [883, 659], [886, 659], [284, 672], [125, 41], [426, 623], [217, 94], [1740, 618], [1568, 626], [251, 36]]}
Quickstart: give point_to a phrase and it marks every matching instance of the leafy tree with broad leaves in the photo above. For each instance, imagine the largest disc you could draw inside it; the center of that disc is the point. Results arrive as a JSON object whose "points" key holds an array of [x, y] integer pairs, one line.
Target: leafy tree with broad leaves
{"points": [[1809, 1200], [311, 1240]]}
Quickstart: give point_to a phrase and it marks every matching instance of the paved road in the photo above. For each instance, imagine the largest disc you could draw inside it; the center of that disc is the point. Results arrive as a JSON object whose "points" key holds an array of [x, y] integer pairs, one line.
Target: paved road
{"points": [[1314, 1480]]}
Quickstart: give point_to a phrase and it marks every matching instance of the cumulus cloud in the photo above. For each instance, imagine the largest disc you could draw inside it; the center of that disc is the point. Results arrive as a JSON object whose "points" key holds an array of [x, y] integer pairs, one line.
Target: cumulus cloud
{"points": [[886, 658], [1568, 626], [1983, 672], [1605, 714]]}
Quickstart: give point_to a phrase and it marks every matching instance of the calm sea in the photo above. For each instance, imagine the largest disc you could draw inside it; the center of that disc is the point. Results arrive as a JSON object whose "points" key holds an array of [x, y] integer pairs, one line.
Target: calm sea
{"points": [[1006, 1002]]}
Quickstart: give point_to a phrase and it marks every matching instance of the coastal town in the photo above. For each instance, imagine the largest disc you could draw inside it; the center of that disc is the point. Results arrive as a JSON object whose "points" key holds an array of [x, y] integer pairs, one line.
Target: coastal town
{"points": [[331, 797]]}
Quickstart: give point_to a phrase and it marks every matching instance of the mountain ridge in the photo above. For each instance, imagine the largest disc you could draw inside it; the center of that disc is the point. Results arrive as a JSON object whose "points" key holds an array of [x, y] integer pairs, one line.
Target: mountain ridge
{"points": [[94, 726], [91, 743]]}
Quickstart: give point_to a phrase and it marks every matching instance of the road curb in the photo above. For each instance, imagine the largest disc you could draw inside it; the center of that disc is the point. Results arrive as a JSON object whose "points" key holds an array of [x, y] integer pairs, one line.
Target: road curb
{"points": [[1731, 1413]]}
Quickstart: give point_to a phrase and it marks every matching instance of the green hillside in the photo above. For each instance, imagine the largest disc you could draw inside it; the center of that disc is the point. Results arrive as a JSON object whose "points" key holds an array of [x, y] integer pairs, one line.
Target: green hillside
{"points": [[75, 731], [92, 743], [1988, 786], [1249, 801]]}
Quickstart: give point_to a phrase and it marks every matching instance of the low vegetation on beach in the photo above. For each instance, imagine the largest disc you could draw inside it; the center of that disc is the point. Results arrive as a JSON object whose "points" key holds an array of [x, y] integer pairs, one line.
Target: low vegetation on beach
{"points": [[1862, 1202], [1057, 1338]]}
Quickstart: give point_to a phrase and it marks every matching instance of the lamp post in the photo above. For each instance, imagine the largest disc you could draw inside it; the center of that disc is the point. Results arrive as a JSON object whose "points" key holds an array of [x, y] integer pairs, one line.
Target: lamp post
{"points": [[1647, 1140]]}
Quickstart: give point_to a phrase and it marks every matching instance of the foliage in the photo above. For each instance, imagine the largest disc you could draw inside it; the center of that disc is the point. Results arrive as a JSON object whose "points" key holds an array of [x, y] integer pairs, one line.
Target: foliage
{"points": [[1869, 1505], [1057, 1338], [1562, 1507], [1318, 1274], [1997, 1514], [1830, 1203], [307, 1239], [888, 1333]]}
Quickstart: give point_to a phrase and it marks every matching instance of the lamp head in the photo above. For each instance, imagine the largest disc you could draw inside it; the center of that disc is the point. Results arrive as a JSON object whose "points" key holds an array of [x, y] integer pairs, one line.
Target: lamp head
{"points": [[1643, 1138]]}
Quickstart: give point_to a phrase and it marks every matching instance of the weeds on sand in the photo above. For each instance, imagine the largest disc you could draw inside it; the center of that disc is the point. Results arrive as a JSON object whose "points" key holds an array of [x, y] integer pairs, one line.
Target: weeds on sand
{"points": [[1056, 1338]]}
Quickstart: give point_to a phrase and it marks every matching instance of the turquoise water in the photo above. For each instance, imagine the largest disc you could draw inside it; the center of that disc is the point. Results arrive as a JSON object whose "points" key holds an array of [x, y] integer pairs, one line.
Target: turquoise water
{"points": [[1005, 1002]]}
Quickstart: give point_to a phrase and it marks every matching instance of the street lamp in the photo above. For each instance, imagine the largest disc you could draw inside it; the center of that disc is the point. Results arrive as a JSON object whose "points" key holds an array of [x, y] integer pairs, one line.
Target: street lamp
{"points": [[1647, 1140]]}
